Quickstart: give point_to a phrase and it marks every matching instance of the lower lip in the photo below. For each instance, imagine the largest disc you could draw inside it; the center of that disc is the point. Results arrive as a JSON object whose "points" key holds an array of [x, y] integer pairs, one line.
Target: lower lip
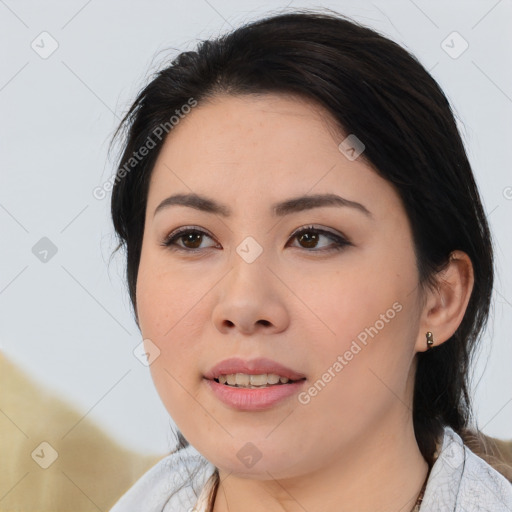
{"points": [[246, 399]]}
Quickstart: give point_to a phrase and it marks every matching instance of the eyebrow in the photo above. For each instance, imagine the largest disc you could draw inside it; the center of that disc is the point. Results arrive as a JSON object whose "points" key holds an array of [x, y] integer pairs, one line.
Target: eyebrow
{"points": [[280, 209]]}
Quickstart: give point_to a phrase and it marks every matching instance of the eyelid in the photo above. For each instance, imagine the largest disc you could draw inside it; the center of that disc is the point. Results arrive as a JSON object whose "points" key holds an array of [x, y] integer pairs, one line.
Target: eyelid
{"points": [[185, 229], [320, 229]]}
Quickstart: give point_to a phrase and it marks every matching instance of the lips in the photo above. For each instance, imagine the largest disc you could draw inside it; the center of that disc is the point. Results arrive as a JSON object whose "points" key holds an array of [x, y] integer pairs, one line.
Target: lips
{"points": [[252, 367]]}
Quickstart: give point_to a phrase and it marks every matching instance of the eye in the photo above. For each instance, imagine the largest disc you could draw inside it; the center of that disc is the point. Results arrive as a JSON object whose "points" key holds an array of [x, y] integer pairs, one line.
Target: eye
{"points": [[310, 236], [191, 238]]}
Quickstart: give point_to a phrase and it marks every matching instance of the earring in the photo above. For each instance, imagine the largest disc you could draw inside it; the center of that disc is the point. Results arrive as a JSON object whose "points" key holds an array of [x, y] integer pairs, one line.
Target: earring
{"points": [[430, 340]]}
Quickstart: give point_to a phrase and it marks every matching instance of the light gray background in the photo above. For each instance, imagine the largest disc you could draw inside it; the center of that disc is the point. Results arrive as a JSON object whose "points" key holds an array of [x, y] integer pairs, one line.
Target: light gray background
{"points": [[68, 321]]}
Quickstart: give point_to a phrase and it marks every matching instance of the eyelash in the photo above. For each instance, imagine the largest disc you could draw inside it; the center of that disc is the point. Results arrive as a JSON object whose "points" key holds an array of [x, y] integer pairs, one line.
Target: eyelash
{"points": [[339, 241]]}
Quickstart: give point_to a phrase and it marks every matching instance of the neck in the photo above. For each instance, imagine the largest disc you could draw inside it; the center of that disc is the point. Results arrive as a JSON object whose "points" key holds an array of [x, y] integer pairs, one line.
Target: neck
{"points": [[382, 469]]}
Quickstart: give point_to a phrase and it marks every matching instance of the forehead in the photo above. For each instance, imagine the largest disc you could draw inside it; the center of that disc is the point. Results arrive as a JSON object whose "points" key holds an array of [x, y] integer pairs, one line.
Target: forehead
{"points": [[269, 129], [258, 145], [272, 119]]}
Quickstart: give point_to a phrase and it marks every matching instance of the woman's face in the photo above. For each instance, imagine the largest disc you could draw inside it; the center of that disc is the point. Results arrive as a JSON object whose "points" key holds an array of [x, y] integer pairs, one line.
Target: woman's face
{"points": [[338, 304]]}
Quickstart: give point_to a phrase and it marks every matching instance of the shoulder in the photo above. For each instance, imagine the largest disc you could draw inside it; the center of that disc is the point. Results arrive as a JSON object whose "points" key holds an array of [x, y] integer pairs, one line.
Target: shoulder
{"points": [[461, 481], [173, 484]]}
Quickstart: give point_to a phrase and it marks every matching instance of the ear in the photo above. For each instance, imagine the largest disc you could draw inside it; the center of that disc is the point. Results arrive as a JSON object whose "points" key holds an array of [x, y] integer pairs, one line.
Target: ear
{"points": [[444, 307]]}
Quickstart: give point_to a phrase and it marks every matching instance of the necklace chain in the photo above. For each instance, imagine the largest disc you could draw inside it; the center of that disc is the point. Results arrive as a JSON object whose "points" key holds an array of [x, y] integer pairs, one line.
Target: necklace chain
{"points": [[417, 505]]}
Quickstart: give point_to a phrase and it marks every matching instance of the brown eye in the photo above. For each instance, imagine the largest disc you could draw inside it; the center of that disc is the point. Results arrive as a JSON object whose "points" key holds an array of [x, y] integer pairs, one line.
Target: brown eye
{"points": [[191, 239], [309, 238]]}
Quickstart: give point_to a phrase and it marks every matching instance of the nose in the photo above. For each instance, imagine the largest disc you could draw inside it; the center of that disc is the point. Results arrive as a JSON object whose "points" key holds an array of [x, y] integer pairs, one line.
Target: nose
{"points": [[251, 300]]}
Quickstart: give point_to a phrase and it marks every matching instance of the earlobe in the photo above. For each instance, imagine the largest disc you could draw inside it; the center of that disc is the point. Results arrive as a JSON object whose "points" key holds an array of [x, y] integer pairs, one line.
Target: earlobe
{"points": [[446, 304]]}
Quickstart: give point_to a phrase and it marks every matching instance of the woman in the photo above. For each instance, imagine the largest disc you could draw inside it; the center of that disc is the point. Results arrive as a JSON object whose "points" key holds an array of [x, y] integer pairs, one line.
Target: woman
{"points": [[310, 267]]}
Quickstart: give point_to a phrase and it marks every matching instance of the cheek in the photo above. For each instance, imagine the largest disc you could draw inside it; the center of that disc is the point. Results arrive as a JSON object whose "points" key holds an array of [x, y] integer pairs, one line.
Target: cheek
{"points": [[166, 317], [168, 299], [170, 319], [349, 302], [366, 313], [173, 321]]}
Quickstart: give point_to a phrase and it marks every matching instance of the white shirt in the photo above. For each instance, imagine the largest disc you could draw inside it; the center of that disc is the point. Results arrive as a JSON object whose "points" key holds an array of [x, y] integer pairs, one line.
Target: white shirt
{"points": [[459, 481]]}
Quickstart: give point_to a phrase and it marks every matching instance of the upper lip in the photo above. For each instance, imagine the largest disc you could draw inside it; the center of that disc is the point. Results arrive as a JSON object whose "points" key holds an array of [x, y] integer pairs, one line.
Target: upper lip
{"points": [[252, 367]]}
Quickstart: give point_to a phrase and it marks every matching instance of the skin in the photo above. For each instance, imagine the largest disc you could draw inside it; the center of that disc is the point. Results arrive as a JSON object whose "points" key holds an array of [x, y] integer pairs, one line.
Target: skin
{"points": [[352, 447]]}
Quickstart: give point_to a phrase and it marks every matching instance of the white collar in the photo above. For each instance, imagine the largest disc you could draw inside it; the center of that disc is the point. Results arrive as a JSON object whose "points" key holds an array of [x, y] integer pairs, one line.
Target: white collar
{"points": [[460, 481]]}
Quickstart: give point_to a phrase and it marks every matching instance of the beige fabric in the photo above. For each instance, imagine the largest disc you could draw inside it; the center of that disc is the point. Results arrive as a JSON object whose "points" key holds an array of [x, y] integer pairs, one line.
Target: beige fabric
{"points": [[91, 470]]}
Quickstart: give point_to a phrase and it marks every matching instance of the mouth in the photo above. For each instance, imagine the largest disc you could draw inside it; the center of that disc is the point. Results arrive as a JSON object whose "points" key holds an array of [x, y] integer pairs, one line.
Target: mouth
{"points": [[254, 381], [260, 372], [254, 385]]}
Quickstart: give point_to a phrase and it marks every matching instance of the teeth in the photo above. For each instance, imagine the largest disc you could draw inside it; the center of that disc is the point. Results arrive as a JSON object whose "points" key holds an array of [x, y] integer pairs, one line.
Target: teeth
{"points": [[250, 381], [257, 380], [242, 379], [272, 378]]}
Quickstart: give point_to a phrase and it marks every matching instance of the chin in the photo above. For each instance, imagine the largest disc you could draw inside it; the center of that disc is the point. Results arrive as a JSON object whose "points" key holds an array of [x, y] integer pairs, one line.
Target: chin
{"points": [[262, 468]]}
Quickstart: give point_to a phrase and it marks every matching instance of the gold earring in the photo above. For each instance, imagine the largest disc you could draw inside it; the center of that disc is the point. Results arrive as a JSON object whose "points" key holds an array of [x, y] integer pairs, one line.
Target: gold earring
{"points": [[430, 340]]}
